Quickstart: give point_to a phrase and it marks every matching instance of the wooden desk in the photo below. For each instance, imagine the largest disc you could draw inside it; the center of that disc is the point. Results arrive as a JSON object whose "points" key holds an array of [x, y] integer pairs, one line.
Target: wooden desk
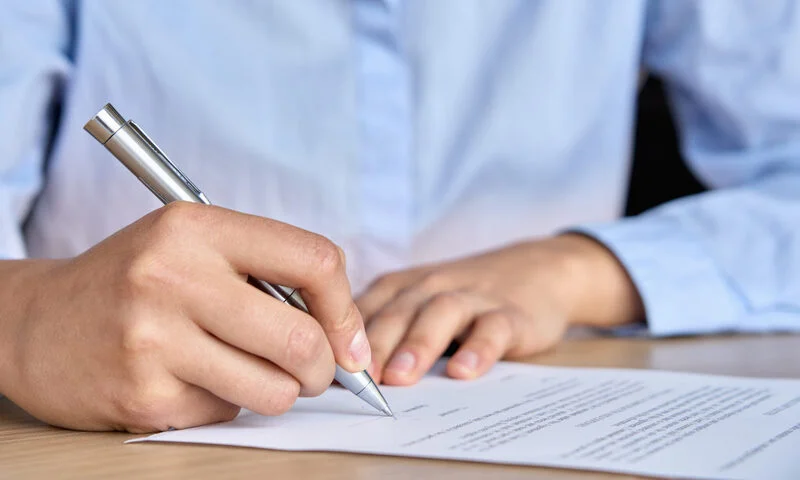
{"points": [[29, 449]]}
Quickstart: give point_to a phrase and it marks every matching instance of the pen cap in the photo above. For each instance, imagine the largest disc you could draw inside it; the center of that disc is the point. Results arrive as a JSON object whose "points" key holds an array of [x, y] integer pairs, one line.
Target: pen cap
{"points": [[134, 149], [105, 124]]}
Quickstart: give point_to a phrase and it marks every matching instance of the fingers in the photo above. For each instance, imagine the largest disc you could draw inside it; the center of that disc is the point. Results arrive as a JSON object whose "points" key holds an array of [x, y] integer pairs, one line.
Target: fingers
{"points": [[347, 337], [233, 375], [389, 326], [383, 290], [491, 336], [439, 320], [191, 407], [254, 322], [280, 253], [375, 297], [201, 407], [311, 263], [503, 333]]}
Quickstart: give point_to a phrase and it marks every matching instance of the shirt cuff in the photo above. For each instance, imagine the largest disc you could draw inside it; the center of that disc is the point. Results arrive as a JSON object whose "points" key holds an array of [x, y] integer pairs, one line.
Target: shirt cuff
{"points": [[682, 289]]}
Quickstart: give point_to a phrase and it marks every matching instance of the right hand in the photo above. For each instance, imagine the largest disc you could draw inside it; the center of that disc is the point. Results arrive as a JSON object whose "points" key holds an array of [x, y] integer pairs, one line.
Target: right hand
{"points": [[155, 326]]}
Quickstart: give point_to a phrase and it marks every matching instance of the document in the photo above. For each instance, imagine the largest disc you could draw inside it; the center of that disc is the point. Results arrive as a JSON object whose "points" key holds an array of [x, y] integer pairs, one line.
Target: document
{"points": [[651, 423]]}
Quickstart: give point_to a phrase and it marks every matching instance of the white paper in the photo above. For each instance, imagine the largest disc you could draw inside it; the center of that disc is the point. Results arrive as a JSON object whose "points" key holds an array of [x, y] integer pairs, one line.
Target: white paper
{"points": [[634, 421]]}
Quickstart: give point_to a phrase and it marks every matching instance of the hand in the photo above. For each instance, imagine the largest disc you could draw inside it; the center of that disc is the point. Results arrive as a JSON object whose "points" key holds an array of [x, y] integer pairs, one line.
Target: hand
{"points": [[155, 327], [508, 303]]}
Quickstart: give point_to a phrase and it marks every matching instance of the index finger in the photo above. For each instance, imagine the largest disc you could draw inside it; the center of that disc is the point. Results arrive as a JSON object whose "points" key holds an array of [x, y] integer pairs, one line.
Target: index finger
{"points": [[277, 252]]}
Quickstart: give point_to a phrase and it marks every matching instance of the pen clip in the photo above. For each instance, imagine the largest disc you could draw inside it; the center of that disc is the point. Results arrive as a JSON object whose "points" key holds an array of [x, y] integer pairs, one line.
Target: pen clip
{"points": [[163, 156]]}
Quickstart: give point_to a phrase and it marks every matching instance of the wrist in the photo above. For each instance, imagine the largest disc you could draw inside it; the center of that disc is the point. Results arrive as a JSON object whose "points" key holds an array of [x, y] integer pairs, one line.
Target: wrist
{"points": [[18, 279], [603, 294]]}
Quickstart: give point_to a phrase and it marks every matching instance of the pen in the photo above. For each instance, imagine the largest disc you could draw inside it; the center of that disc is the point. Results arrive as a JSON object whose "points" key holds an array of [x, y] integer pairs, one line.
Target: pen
{"points": [[131, 146]]}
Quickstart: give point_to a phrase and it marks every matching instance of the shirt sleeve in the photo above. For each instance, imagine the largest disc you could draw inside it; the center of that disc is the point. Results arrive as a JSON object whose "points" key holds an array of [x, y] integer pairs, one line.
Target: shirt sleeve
{"points": [[34, 64], [727, 259]]}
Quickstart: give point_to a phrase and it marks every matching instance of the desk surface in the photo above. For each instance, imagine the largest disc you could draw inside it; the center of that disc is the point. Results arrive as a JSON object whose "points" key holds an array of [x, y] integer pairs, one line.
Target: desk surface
{"points": [[29, 449]]}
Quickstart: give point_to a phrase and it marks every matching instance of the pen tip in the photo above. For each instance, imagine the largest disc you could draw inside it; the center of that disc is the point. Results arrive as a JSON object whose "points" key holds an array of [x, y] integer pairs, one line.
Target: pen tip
{"points": [[373, 396]]}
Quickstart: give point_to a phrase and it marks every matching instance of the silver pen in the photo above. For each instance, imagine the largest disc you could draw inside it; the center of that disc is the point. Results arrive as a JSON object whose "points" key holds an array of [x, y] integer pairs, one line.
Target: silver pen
{"points": [[131, 146]]}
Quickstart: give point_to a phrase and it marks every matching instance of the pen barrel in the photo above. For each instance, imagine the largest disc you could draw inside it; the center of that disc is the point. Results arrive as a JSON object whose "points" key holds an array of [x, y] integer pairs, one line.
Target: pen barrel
{"points": [[289, 296], [355, 382], [151, 167]]}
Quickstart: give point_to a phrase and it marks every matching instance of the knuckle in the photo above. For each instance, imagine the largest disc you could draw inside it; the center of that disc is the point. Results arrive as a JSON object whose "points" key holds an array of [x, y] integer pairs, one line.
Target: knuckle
{"points": [[327, 256], [305, 344], [176, 217], [501, 324], [448, 301], [388, 316], [506, 334], [422, 343], [157, 263], [347, 322], [502, 332], [141, 336], [149, 272], [433, 282], [486, 348], [385, 282]]}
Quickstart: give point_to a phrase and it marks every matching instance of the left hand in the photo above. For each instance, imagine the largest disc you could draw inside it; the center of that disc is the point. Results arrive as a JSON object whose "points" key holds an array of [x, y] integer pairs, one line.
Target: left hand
{"points": [[508, 303]]}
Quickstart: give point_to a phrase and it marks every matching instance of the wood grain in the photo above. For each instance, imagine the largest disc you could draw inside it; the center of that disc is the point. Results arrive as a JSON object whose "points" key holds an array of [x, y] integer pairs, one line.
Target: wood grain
{"points": [[30, 449]]}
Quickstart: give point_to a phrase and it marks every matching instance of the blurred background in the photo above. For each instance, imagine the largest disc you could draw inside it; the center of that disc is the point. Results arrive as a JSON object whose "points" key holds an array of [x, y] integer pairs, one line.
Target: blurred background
{"points": [[659, 171]]}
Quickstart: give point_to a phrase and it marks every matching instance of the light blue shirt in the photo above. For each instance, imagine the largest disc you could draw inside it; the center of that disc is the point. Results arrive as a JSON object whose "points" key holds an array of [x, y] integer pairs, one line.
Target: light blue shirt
{"points": [[421, 130]]}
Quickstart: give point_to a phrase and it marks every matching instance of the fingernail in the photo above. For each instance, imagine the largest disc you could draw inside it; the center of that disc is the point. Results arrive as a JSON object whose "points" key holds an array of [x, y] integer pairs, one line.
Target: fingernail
{"points": [[360, 351], [467, 359], [402, 362]]}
